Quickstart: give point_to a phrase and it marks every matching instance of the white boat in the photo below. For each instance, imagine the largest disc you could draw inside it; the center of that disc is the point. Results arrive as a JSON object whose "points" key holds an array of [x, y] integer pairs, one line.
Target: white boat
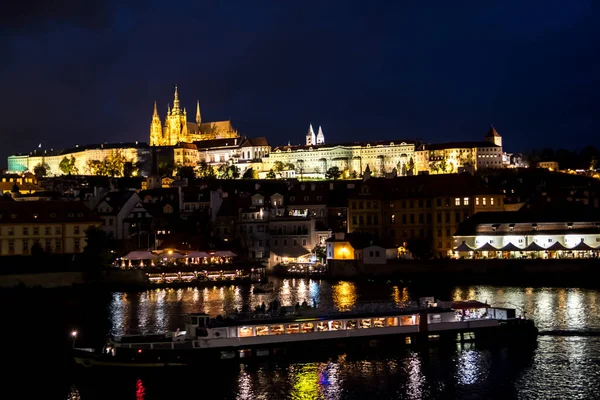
{"points": [[259, 334]]}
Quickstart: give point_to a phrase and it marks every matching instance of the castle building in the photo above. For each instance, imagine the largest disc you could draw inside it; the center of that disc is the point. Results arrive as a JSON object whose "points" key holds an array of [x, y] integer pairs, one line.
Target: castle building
{"points": [[444, 158], [135, 153], [313, 159], [177, 129]]}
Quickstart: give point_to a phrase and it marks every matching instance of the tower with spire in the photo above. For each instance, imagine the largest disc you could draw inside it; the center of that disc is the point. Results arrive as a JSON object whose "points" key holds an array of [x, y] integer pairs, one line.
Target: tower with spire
{"points": [[156, 131], [177, 129], [320, 136], [311, 138]]}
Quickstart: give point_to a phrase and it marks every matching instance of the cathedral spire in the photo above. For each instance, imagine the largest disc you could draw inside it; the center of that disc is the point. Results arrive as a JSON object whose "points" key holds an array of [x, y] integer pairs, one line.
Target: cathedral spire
{"points": [[320, 136], [176, 101], [198, 117], [168, 109], [155, 115]]}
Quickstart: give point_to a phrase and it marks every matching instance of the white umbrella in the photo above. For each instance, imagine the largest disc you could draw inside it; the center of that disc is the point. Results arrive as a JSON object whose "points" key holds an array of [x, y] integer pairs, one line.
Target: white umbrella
{"points": [[198, 254], [140, 255]]}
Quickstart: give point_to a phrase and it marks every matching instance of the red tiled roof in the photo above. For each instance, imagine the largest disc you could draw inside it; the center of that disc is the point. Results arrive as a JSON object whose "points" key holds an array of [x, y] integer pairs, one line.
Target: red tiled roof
{"points": [[22, 212]]}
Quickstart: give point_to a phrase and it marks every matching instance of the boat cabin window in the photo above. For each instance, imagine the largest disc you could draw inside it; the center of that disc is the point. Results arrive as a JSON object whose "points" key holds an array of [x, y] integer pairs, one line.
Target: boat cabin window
{"points": [[322, 326], [392, 321], [351, 324], [308, 327], [379, 322], [335, 325], [365, 323], [276, 329], [408, 320], [292, 328], [262, 330], [245, 331]]}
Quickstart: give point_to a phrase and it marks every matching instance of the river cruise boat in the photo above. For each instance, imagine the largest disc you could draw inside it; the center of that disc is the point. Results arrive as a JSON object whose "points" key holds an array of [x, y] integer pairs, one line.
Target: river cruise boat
{"points": [[278, 331]]}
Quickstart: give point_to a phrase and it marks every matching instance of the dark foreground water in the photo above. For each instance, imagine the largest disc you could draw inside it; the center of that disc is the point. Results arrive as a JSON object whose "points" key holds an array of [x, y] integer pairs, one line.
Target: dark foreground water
{"points": [[36, 326]]}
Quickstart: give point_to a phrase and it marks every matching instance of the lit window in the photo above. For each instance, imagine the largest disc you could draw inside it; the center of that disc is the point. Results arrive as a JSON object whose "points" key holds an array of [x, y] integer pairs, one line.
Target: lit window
{"points": [[491, 201], [245, 331], [292, 328], [466, 201], [262, 330], [365, 323], [484, 201], [308, 327], [457, 201], [476, 201]]}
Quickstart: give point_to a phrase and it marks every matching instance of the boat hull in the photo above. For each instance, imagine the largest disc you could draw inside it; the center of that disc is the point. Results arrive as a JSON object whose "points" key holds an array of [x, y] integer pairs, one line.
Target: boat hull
{"points": [[518, 334]]}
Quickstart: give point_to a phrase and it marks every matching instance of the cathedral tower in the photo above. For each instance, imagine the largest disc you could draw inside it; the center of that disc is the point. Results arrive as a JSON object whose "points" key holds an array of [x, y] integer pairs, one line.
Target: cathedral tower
{"points": [[176, 122], [320, 136], [311, 139], [156, 134]]}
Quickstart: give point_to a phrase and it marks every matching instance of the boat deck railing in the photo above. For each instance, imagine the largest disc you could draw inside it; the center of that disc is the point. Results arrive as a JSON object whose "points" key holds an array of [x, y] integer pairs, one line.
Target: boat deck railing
{"points": [[327, 312]]}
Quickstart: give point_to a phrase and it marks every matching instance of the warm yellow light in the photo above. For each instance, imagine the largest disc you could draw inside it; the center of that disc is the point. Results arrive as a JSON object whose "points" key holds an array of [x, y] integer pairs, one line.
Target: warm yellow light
{"points": [[74, 333], [170, 252]]}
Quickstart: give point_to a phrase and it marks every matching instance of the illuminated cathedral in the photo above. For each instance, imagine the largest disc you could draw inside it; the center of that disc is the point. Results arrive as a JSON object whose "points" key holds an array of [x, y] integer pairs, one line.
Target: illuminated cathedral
{"points": [[177, 129]]}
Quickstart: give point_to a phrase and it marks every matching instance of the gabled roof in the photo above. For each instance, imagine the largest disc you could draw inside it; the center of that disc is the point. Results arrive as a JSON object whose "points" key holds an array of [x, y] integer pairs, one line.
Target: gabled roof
{"points": [[45, 212], [492, 132], [259, 141]]}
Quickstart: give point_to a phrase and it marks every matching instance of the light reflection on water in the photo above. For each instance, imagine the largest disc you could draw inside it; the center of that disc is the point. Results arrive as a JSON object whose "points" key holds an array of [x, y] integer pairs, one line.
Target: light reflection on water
{"points": [[565, 365]]}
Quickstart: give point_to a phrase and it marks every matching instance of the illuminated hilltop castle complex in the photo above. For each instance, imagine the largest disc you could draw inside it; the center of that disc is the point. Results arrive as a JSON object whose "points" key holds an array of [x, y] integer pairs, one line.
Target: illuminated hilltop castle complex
{"points": [[217, 144], [177, 129]]}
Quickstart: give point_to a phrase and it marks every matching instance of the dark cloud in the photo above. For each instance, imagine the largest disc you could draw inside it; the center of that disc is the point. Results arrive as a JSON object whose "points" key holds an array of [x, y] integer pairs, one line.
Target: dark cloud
{"points": [[81, 72]]}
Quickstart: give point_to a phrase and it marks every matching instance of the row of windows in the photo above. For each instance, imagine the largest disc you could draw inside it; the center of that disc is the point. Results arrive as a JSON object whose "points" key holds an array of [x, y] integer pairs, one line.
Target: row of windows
{"points": [[371, 220], [48, 245], [285, 242], [322, 326], [47, 230], [52, 215], [426, 218]]}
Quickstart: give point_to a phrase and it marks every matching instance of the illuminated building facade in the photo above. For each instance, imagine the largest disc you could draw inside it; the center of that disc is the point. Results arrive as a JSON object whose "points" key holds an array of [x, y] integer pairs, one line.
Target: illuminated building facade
{"points": [[545, 233], [352, 159], [57, 226], [420, 211], [444, 158], [136, 153]]}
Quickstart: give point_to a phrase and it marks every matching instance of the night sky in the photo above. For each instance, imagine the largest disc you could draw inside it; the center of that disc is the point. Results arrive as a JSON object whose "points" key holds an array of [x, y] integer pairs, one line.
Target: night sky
{"points": [[438, 70]]}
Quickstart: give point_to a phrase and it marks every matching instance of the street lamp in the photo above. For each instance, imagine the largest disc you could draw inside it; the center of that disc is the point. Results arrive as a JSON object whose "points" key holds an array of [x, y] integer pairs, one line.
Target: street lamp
{"points": [[74, 335]]}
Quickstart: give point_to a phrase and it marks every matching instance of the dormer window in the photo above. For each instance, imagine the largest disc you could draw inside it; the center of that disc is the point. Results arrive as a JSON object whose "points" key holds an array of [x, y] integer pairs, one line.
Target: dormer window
{"points": [[35, 216]]}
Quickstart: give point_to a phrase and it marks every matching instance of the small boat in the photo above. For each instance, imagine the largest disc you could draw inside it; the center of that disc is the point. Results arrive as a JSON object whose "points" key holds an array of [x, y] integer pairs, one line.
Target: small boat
{"points": [[302, 329], [264, 288]]}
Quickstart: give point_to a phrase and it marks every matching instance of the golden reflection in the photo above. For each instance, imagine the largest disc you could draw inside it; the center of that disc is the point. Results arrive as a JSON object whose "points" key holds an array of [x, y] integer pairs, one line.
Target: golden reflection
{"points": [[344, 295], [400, 296], [196, 295], [529, 291], [306, 382], [73, 394]]}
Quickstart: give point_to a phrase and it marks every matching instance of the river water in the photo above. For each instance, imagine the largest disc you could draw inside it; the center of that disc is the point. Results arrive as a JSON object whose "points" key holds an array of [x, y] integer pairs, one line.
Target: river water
{"points": [[560, 367]]}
